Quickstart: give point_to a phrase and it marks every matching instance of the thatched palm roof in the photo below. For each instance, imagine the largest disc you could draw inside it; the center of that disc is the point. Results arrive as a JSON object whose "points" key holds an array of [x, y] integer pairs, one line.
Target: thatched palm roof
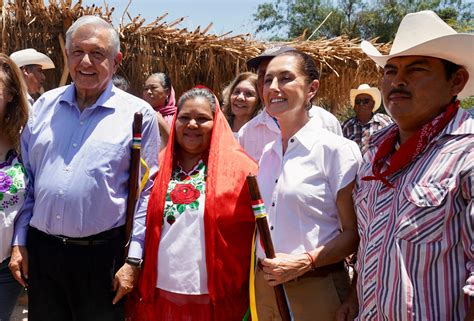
{"points": [[189, 57]]}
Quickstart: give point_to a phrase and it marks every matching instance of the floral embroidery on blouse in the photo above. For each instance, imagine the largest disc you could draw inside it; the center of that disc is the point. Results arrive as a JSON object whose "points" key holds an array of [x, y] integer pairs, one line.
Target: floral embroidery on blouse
{"points": [[184, 190], [12, 182]]}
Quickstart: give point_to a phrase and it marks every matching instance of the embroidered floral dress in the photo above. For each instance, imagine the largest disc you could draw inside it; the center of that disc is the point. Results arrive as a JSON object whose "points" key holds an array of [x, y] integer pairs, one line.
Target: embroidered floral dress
{"points": [[181, 255], [13, 182]]}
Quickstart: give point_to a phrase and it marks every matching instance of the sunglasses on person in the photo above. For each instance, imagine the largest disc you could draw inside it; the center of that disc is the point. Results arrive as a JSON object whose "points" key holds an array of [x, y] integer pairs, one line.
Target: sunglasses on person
{"points": [[364, 101]]}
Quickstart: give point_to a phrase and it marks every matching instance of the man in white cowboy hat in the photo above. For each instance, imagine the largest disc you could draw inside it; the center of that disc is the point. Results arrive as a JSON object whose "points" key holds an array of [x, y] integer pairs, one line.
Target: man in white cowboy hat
{"points": [[365, 100], [32, 63], [414, 194], [262, 129]]}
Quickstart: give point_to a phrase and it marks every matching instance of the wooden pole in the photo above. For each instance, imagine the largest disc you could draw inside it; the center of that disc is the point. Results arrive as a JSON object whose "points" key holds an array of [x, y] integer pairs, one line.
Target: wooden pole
{"points": [[134, 177], [262, 226], [65, 73]]}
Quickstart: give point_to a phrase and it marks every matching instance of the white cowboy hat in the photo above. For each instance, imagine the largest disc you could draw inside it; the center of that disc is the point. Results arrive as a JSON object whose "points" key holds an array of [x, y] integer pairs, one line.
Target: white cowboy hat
{"points": [[425, 34], [366, 89], [31, 57]]}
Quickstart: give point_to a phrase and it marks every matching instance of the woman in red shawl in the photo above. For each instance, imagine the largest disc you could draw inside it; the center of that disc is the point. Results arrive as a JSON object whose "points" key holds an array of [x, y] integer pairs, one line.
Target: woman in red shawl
{"points": [[159, 93], [200, 222]]}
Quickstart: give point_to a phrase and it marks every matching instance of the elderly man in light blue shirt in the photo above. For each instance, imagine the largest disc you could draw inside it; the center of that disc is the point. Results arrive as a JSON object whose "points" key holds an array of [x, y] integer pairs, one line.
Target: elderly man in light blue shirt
{"points": [[69, 237]]}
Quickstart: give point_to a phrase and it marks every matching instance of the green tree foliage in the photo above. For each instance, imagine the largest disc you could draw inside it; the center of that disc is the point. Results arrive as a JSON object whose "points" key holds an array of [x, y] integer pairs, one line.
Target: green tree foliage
{"points": [[288, 19]]}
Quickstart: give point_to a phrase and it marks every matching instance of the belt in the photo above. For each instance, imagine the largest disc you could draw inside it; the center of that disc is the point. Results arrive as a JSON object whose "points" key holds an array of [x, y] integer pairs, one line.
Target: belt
{"points": [[321, 271], [96, 239]]}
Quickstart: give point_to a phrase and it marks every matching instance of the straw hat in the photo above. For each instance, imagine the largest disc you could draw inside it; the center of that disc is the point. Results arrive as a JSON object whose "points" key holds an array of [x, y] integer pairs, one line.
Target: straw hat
{"points": [[31, 57], [366, 89], [425, 34]]}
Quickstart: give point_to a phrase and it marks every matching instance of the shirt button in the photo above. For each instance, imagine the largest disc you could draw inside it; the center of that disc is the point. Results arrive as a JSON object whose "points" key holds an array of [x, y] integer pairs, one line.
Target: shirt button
{"points": [[58, 216], [273, 204], [271, 227], [276, 181], [292, 140], [74, 145], [61, 192], [81, 123]]}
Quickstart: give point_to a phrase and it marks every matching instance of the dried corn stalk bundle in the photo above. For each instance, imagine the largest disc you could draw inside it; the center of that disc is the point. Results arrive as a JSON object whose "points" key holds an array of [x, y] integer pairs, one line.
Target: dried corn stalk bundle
{"points": [[189, 57]]}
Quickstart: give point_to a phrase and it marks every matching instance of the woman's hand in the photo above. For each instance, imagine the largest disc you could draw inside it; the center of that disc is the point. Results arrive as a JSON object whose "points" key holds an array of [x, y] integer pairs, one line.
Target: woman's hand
{"points": [[285, 267]]}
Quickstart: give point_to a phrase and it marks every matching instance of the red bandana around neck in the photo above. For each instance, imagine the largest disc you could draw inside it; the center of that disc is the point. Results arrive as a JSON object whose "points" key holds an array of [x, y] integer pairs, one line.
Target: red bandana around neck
{"points": [[409, 150]]}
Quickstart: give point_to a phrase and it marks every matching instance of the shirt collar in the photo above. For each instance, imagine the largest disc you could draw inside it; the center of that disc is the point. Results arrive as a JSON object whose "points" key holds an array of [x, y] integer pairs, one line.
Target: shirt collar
{"points": [[461, 124], [30, 99], [107, 99], [307, 133], [375, 119], [270, 122]]}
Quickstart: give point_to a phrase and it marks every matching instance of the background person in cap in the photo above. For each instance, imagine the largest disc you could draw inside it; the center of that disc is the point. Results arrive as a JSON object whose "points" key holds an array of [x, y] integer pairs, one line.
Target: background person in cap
{"points": [[69, 238], [262, 129], [32, 63], [365, 100], [414, 193]]}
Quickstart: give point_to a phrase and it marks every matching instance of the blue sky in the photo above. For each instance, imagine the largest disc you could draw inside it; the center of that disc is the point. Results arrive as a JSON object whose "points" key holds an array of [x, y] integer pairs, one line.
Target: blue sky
{"points": [[227, 15]]}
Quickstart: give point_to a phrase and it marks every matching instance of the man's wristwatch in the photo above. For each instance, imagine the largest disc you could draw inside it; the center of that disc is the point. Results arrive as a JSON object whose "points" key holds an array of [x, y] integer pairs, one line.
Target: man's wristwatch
{"points": [[134, 261]]}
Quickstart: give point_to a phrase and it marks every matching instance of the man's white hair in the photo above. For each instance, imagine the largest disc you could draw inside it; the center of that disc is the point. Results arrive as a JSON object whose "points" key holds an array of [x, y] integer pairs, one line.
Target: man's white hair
{"points": [[99, 23]]}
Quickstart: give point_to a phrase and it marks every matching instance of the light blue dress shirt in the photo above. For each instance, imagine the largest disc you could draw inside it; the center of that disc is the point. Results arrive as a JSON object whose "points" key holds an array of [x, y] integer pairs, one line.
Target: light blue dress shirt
{"points": [[78, 165]]}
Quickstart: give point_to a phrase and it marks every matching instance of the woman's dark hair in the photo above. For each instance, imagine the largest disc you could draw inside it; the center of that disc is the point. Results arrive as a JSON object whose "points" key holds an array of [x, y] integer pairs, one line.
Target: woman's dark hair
{"points": [[16, 111], [306, 64], [195, 93]]}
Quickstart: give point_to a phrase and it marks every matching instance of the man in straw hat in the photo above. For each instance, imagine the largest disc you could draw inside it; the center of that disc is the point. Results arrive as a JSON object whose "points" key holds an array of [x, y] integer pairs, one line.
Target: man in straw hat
{"points": [[262, 129], [414, 194], [366, 101], [32, 63], [69, 237]]}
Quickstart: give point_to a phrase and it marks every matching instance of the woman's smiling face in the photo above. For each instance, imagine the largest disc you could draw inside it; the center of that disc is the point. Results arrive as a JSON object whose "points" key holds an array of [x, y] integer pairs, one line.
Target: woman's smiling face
{"points": [[194, 124], [243, 99], [285, 86]]}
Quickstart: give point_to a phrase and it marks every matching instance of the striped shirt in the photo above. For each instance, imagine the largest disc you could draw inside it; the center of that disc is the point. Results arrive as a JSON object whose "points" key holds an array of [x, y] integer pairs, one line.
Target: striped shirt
{"points": [[416, 251], [360, 133]]}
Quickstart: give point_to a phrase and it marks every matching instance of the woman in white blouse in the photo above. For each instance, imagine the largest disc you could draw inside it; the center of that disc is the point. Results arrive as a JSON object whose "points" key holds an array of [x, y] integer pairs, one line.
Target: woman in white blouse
{"points": [[199, 221], [306, 179], [13, 181]]}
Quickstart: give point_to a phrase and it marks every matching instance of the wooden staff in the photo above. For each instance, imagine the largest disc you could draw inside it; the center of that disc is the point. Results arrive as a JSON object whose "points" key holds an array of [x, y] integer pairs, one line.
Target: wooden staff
{"points": [[262, 225], [133, 179]]}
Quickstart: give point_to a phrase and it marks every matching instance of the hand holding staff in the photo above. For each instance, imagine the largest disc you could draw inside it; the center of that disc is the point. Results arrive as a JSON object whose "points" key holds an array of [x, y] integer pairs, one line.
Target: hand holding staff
{"points": [[262, 226], [134, 176]]}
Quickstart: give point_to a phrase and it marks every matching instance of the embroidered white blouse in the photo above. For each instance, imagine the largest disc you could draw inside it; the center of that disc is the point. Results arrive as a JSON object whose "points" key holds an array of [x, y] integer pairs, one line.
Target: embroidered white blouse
{"points": [[13, 183], [181, 254]]}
